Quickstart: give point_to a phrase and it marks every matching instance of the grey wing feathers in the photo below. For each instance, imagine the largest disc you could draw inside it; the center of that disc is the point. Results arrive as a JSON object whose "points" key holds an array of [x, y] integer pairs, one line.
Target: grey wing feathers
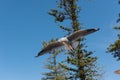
{"points": [[50, 47], [76, 35]]}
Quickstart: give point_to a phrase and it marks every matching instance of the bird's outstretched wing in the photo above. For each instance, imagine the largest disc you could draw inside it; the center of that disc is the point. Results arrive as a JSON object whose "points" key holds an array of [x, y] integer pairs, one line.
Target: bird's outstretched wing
{"points": [[78, 34], [50, 47]]}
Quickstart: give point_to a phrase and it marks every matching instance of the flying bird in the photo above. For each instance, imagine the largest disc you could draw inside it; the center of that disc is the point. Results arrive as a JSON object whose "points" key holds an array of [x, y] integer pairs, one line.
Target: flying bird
{"points": [[67, 41]]}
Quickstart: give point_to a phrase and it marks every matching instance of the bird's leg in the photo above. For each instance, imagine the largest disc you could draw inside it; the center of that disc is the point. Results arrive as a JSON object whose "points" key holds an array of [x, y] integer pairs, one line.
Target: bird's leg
{"points": [[69, 46]]}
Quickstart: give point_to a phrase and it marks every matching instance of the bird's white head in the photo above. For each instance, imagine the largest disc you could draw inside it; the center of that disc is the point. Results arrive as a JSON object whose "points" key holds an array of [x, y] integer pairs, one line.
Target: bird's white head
{"points": [[63, 39]]}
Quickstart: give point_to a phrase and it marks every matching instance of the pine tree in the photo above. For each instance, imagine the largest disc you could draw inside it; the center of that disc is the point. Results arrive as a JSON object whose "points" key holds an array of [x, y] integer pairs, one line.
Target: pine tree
{"points": [[56, 72], [115, 47], [82, 64]]}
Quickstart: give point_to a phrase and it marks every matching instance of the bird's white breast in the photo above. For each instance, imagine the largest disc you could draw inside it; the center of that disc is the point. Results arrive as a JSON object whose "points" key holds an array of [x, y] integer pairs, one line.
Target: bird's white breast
{"points": [[63, 39]]}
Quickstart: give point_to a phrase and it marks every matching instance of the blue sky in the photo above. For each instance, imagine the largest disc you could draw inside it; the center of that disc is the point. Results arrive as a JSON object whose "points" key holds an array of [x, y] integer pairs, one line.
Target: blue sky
{"points": [[24, 24]]}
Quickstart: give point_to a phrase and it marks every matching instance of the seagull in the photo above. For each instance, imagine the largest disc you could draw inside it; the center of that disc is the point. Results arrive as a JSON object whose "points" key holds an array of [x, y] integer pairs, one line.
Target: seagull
{"points": [[66, 41]]}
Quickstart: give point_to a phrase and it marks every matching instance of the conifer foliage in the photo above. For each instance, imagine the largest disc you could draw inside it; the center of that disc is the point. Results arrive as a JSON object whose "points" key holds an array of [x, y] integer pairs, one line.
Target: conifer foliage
{"points": [[83, 63], [115, 47], [55, 71], [79, 64]]}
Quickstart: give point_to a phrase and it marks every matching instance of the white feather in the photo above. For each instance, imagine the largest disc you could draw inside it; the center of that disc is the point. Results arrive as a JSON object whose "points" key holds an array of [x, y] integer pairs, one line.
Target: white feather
{"points": [[63, 39]]}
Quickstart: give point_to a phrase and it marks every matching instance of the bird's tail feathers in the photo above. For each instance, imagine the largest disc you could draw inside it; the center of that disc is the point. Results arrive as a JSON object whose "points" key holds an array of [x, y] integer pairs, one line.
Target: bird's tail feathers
{"points": [[75, 44]]}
